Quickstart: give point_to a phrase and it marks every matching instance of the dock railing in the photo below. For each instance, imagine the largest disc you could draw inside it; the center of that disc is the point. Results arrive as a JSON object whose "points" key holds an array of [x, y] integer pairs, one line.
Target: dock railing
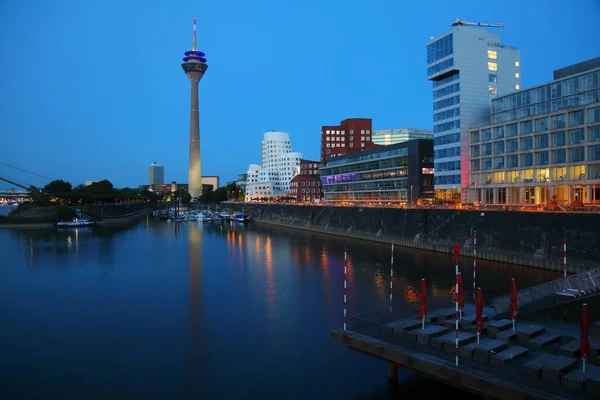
{"points": [[376, 324], [550, 294]]}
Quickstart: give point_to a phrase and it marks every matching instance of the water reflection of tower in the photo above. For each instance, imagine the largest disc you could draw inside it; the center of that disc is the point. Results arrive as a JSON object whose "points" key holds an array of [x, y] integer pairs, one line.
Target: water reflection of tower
{"points": [[195, 277]]}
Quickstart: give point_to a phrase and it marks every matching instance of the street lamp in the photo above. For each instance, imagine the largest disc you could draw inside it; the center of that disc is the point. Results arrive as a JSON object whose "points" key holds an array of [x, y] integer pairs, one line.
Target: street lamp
{"points": [[411, 196]]}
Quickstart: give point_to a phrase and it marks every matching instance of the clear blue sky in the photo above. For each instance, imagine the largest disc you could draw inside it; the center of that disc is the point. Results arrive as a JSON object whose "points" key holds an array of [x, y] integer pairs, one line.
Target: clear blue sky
{"points": [[94, 89]]}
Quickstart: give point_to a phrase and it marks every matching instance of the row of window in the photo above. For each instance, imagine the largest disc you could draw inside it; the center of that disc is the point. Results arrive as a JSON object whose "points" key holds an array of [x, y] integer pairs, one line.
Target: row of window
{"points": [[440, 66], [545, 175], [558, 156], [553, 91], [304, 183], [446, 139], [342, 132], [446, 153], [446, 102], [454, 112], [558, 121], [446, 90], [351, 145], [555, 139], [446, 179], [446, 126], [447, 166], [343, 138]]}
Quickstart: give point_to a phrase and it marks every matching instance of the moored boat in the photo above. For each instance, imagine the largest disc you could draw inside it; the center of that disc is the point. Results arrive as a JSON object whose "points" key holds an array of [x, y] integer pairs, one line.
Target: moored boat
{"points": [[76, 223], [239, 217]]}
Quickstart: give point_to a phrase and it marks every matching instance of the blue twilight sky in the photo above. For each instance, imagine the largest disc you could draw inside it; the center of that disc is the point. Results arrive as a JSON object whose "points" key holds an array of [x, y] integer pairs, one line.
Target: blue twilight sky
{"points": [[94, 89]]}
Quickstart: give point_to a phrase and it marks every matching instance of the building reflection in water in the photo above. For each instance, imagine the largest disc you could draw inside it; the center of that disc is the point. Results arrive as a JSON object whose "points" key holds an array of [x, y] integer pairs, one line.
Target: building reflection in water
{"points": [[324, 261], [269, 268], [257, 249]]}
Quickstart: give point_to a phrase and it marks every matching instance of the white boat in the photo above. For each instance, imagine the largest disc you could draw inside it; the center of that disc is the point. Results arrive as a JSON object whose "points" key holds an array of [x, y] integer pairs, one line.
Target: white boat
{"points": [[239, 217], [76, 223], [224, 215]]}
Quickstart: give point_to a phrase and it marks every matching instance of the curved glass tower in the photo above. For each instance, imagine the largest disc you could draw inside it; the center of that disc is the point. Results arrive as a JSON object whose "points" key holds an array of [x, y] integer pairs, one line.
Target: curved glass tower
{"points": [[194, 65]]}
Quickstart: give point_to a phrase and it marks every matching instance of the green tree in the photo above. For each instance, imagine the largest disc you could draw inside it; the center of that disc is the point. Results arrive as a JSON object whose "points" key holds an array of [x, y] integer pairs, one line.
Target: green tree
{"points": [[57, 187], [184, 196], [35, 193], [104, 187]]}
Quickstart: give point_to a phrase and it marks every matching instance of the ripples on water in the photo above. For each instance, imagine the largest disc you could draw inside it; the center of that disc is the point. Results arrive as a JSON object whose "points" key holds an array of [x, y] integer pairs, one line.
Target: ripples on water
{"points": [[218, 311]]}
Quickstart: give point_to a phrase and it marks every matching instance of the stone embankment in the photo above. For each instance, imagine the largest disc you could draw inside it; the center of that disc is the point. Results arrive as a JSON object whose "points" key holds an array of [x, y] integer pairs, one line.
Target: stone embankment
{"points": [[523, 238]]}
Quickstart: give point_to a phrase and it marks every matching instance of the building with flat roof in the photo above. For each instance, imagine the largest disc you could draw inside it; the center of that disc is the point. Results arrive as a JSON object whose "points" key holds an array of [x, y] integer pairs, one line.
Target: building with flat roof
{"points": [[468, 67], [351, 135], [306, 186], [543, 143], [386, 137], [399, 173], [156, 174]]}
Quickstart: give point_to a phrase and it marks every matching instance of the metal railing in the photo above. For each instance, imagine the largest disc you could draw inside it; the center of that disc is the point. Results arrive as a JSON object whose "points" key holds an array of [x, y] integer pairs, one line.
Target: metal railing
{"points": [[374, 324], [550, 294]]}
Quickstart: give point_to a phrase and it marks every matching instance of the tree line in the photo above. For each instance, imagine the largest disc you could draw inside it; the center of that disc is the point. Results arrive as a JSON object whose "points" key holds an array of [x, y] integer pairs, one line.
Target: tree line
{"points": [[104, 192]]}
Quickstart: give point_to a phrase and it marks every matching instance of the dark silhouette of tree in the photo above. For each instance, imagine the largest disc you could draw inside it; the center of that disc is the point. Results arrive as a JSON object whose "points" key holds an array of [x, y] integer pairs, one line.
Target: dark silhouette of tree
{"points": [[57, 187]]}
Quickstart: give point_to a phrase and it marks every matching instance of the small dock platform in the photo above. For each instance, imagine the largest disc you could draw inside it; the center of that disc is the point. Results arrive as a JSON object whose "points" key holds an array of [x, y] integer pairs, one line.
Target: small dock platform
{"points": [[540, 359]]}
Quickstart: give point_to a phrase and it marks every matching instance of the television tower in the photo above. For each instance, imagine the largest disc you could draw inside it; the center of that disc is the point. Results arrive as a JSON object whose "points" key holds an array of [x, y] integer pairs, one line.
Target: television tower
{"points": [[194, 65]]}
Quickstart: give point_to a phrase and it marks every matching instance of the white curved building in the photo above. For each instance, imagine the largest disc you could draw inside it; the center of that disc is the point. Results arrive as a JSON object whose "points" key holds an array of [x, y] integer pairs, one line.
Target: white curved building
{"points": [[279, 166]]}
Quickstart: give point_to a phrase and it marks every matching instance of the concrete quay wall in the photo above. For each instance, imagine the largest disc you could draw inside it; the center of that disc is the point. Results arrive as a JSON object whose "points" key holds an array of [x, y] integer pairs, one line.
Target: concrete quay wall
{"points": [[524, 238]]}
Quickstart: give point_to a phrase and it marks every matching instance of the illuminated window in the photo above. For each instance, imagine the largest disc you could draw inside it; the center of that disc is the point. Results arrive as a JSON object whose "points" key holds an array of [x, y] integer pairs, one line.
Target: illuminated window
{"points": [[517, 87], [517, 75], [492, 54], [492, 66], [517, 64], [493, 90]]}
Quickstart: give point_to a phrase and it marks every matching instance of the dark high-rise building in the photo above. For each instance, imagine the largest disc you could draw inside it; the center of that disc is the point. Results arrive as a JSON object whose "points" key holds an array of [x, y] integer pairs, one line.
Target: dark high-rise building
{"points": [[194, 65]]}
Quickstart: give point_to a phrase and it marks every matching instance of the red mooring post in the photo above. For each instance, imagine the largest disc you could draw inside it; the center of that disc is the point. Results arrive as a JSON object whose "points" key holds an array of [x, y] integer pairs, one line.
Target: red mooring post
{"points": [[345, 287], [456, 259], [474, 263]]}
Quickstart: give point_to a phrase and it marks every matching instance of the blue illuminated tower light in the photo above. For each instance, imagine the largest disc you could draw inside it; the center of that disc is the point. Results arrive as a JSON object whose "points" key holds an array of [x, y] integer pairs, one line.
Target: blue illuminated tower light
{"points": [[194, 65]]}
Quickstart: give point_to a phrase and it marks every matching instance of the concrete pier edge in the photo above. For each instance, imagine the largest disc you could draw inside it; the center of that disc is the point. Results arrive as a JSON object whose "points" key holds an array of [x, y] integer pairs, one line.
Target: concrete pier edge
{"points": [[572, 267]]}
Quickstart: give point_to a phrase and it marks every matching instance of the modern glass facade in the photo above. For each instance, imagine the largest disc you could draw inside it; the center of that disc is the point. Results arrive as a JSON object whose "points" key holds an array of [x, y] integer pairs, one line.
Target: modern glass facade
{"points": [[397, 173], [467, 67], [573, 91], [543, 147], [386, 137]]}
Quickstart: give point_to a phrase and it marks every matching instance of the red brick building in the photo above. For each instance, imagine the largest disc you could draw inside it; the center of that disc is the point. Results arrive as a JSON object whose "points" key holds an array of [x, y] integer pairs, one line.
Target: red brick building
{"points": [[306, 186], [351, 135]]}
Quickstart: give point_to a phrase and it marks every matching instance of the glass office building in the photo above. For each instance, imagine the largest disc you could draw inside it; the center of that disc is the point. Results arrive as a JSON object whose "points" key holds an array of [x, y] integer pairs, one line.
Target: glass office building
{"points": [[468, 67], [386, 137], [399, 173], [543, 145]]}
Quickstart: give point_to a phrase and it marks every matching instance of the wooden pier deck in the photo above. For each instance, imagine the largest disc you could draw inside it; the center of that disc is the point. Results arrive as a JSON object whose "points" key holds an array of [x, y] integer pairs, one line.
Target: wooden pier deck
{"points": [[540, 359]]}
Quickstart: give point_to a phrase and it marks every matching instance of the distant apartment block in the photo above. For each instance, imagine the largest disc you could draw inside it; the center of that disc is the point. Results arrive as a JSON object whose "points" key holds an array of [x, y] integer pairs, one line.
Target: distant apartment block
{"points": [[386, 137], [351, 135], [543, 143], [156, 174], [468, 68], [306, 186], [279, 166]]}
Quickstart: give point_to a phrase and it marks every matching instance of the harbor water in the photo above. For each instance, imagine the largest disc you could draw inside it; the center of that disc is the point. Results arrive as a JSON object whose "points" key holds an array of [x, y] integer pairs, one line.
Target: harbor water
{"points": [[218, 310]]}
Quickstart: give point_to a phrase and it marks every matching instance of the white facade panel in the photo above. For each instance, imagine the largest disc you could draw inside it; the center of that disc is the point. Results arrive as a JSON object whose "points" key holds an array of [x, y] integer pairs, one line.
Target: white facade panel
{"points": [[279, 166]]}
